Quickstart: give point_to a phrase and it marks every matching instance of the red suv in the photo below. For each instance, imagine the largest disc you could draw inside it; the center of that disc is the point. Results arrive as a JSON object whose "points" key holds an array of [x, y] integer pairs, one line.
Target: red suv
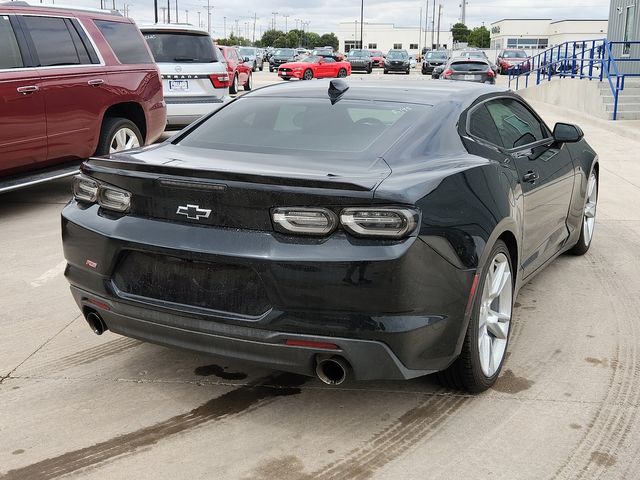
{"points": [[73, 84], [239, 72]]}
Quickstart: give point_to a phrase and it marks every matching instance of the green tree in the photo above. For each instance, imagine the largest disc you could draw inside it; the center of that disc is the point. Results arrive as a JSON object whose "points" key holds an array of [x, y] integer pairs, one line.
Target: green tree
{"points": [[270, 36], [312, 39], [293, 40], [330, 39], [280, 42], [480, 37], [460, 32]]}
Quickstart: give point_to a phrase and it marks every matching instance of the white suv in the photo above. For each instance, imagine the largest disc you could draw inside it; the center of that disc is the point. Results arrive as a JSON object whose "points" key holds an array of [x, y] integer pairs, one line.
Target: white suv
{"points": [[194, 74]]}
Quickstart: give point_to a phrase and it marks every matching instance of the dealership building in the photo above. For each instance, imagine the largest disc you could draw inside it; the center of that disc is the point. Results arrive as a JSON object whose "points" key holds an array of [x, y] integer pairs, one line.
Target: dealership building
{"points": [[537, 34], [385, 36]]}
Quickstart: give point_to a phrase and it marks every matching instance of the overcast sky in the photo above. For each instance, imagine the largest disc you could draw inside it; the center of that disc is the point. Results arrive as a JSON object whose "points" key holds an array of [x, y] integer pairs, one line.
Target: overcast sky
{"points": [[324, 15]]}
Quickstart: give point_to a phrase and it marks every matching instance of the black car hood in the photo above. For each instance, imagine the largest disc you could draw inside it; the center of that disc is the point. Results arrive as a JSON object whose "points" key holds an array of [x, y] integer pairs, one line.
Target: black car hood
{"points": [[258, 167]]}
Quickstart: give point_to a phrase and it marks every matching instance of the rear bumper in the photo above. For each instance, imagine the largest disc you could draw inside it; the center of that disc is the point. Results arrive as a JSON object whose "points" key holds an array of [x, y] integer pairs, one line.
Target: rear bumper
{"points": [[181, 111], [400, 306]]}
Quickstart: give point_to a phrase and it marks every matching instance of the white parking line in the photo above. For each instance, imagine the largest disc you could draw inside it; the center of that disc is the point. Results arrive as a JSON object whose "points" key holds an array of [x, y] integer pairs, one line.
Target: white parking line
{"points": [[49, 274]]}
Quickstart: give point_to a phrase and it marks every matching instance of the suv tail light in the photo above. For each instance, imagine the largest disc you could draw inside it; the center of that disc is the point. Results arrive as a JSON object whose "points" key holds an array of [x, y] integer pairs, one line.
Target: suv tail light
{"points": [[220, 80]]}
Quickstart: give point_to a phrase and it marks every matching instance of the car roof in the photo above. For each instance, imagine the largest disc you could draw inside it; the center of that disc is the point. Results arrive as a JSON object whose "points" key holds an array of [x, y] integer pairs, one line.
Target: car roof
{"points": [[419, 92], [173, 27], [76, 11]]}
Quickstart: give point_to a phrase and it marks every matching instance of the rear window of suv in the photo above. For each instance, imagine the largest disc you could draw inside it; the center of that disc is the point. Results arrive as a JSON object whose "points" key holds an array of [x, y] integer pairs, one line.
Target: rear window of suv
{"points": [[58, 42], [124, 39], [176, 47]]}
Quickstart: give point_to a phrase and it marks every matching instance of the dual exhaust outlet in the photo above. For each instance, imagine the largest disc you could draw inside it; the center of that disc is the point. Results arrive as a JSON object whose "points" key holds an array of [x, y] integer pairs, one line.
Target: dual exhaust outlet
{"points": [[330, 370]]}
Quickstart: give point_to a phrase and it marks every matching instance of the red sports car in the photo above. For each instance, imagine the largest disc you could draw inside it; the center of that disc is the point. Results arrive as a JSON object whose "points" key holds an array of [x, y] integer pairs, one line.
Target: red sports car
{"points": [[314, 67]]}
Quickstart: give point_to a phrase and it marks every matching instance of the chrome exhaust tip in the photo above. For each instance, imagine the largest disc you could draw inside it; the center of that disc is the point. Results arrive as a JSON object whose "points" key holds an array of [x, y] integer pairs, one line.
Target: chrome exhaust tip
{"points": [[332, 370]]}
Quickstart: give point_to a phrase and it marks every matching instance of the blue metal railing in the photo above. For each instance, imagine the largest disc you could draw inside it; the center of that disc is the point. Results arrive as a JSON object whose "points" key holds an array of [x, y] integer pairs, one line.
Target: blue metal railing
{"points": [[589, 59]]}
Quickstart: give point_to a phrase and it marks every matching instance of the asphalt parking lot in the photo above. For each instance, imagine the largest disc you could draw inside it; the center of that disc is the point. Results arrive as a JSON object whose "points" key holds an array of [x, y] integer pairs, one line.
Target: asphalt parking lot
{"points": [[566, 406]]}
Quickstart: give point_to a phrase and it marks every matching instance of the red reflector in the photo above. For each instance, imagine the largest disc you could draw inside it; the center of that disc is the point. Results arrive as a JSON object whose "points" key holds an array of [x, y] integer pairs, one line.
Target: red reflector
{"points": [[309, 344], [99, 304], [472, 294]]}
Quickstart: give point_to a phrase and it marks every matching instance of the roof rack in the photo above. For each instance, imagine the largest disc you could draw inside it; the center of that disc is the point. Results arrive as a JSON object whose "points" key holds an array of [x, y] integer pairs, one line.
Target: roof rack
{"points": [[22, 3]]}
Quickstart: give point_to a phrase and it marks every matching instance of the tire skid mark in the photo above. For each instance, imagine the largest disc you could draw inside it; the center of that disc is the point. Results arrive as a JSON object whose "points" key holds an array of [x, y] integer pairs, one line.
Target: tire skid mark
{"points": [[236, 402], [86, 356], [611, 424], [416, 424]]}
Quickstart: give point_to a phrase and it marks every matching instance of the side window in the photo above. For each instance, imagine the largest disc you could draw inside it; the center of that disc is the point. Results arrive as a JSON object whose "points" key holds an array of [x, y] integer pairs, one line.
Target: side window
{"points": [[9, 53], [126, 41], [481, 125], [516, 125], [53, 42]]}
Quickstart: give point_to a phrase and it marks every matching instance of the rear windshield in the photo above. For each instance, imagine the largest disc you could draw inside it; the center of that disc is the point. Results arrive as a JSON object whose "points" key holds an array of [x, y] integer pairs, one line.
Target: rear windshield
{"points": [[247, 52], [284, 52], [359, 53], [173, 47], [514, 54], [469, 66], [397, 55], [437, 55], [304, 126]]}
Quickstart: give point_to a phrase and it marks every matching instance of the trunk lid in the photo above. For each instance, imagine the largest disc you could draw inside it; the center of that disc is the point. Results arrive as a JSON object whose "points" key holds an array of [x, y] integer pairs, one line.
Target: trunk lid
{"points": [[238, 189]]}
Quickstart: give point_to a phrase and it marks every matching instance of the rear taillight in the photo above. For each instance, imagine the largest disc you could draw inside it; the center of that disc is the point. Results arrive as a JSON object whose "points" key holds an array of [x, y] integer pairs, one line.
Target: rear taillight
{"points": [[387, 222], [303, 220], [448, 72], [88, 190], [220, 80], [490, 73]]}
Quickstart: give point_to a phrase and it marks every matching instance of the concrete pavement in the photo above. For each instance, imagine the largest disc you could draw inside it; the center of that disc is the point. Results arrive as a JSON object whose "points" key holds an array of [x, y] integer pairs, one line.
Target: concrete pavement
{"points": [[566, 406]]}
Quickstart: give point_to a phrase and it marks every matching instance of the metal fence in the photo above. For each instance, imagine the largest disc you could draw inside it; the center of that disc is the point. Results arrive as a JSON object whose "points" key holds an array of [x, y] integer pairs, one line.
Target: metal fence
{"points": [[589, 59]]}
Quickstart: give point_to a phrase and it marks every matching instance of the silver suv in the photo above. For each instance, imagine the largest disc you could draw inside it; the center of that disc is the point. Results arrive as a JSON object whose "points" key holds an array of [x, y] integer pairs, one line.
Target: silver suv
{"points": [[194, 75]]}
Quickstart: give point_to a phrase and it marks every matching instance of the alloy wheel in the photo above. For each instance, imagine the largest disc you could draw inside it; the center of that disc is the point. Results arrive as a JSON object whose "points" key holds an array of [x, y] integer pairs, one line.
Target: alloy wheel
{"points": [[308, 75], [495, 314], [123, 139], [589, 218]]}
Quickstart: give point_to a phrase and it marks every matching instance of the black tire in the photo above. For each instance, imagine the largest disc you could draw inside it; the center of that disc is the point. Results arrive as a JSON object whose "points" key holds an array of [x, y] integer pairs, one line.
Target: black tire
{"points": [[254, 67], [261, 67], [248, 85], [370, 69], [270, 69], [424, 72], [342, 73], [233, 88], [110, 126], [308, 74], [386, 72], [465, 373], [582, 247]]}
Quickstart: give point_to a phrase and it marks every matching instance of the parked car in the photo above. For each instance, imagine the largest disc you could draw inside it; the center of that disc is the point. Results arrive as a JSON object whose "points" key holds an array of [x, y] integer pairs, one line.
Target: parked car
{"points": [[360, 60], [377, 57], [433, 59], [239, 72], [517, 60], [194, 75], [328, 52], [397, 61], [475, 54], [280, 56], [314, 67], [73, 83], [365, 230], [469, 70], [251, 56]]}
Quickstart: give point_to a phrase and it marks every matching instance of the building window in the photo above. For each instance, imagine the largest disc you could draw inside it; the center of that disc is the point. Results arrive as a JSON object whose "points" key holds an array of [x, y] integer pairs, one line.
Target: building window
{"points": [[413, 46], [350, 44], [629, 23], [397, 46], [373, 46]]}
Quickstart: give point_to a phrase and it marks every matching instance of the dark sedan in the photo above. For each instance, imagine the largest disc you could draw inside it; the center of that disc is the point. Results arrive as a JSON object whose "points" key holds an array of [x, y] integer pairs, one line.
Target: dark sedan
{"points": [[360, 60], [340, 229], [469, 70], [432, 60], [397, 61], [280, 56]]}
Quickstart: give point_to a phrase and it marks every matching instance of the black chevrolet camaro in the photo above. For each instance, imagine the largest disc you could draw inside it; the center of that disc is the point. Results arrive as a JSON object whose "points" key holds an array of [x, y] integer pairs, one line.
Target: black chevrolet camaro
{"points": [[373, 230]]}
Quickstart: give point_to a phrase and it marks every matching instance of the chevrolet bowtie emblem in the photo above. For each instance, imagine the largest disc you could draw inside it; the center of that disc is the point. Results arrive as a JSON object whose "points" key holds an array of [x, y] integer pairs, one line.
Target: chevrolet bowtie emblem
{"points": [[193, 212]]}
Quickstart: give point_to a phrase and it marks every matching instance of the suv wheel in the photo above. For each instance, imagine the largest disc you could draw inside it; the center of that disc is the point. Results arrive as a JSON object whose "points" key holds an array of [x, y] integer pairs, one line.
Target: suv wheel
{"points": [[233, 88], [483, 351], [118, 134], [248, 85]]}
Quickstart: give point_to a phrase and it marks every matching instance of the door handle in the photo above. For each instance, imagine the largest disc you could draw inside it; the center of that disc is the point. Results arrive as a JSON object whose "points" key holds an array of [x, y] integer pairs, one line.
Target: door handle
{"points": [[530, 177], [27, 89], [95, 82]]}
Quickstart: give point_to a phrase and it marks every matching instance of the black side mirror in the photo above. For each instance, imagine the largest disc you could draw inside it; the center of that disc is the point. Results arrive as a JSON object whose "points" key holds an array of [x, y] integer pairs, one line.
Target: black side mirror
{"points": [[246, 59], [566, 132]]}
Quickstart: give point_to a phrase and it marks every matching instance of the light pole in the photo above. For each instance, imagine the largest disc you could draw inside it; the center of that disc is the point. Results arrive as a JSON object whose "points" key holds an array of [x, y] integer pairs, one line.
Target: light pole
{"points": [[209, 7], [275, 21], [361, 22], [297, 20], [286, 29], [199, 22], [186, 16], [224, 27], [177, 16]]}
